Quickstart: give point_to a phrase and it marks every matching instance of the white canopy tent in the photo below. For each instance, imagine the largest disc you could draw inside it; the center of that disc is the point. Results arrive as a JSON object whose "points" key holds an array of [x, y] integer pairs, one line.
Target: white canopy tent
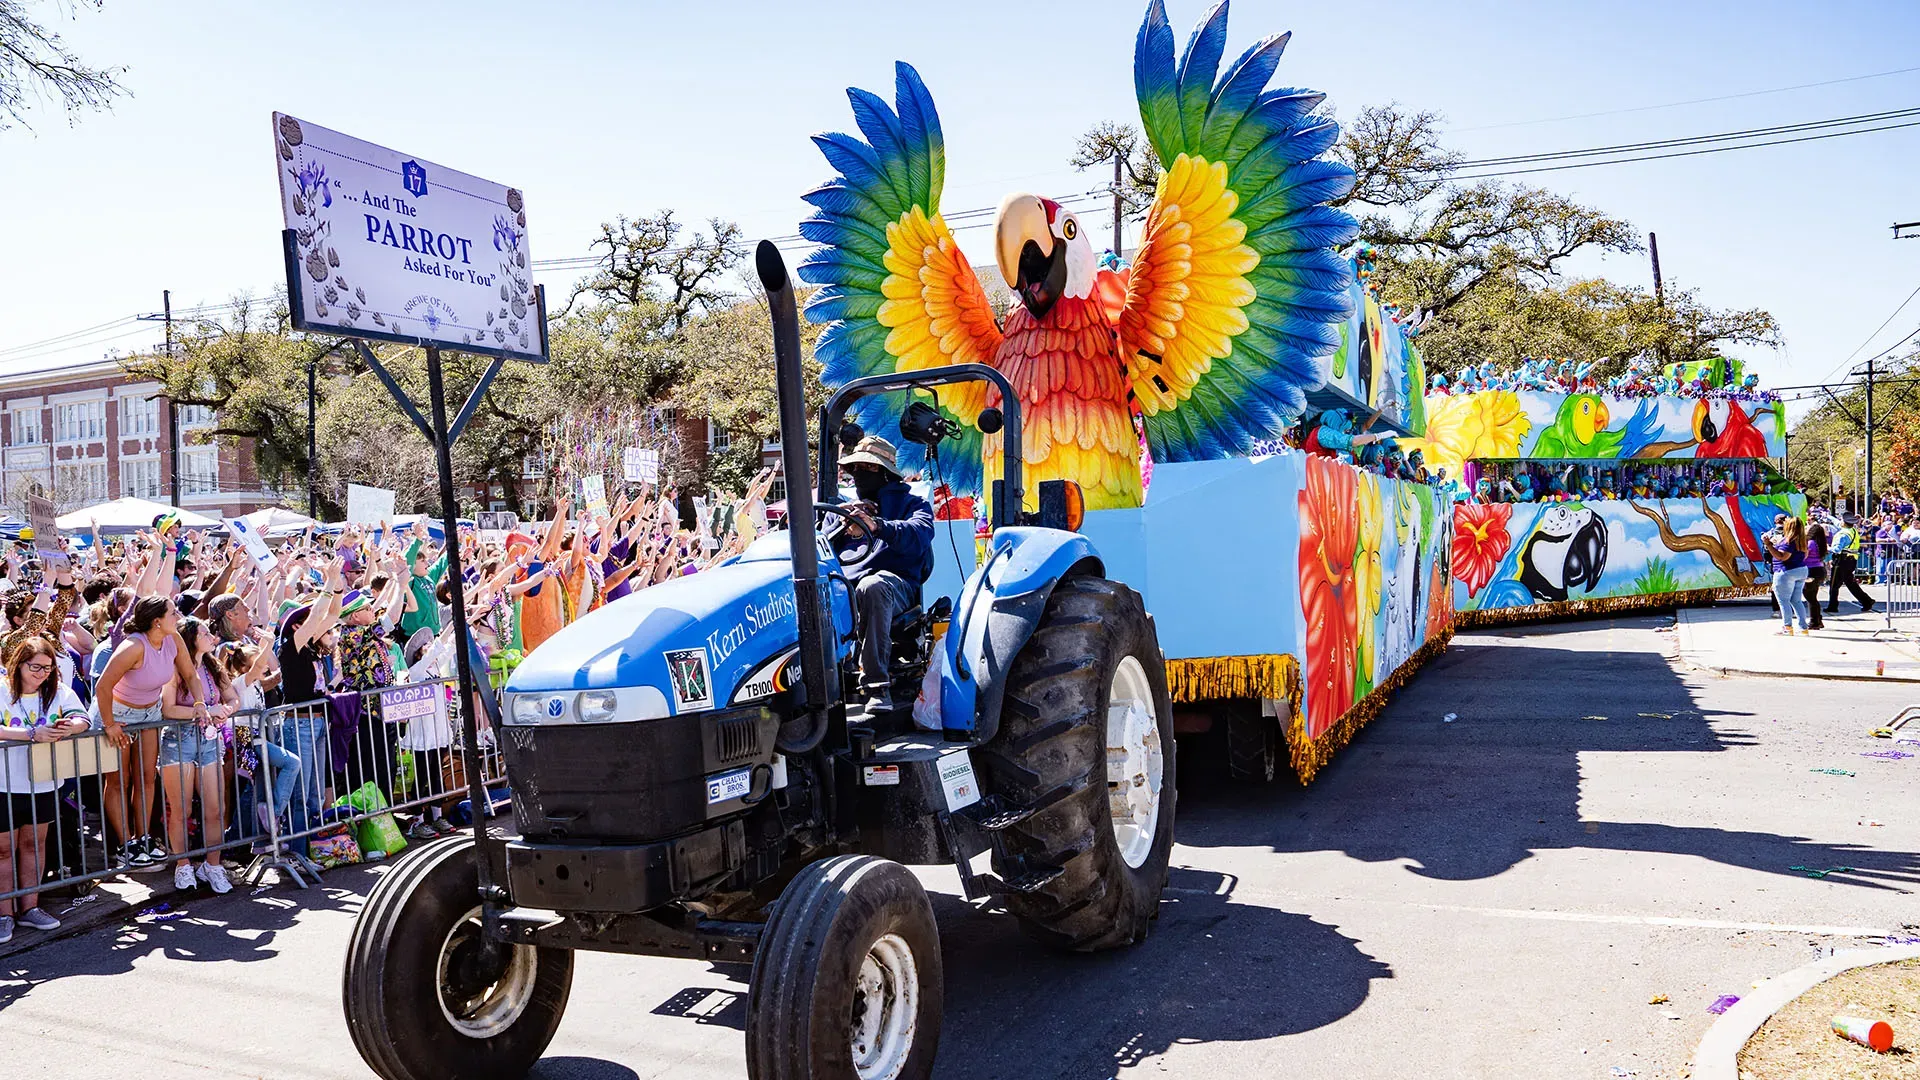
{"points": [[277, 521], [127, 515]]}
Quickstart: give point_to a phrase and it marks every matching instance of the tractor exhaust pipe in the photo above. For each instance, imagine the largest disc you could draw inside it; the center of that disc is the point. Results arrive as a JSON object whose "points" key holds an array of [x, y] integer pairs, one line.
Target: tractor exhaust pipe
{"points": [[816, 633]]}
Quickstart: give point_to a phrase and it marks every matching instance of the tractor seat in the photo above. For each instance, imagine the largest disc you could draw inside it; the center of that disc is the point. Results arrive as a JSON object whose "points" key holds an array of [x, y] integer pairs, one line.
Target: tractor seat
{"points": [[907, 618]]}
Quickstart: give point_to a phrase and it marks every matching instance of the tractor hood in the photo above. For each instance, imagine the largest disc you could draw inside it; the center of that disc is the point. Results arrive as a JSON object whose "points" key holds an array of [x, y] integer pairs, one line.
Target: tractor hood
{"points": [[693, 638]]}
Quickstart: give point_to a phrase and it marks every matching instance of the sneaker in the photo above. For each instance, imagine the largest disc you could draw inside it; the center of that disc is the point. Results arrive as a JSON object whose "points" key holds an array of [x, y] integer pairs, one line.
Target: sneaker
{"points": [[445, 827], [39, 919], [1785, 631], [157, 856], [133, 857], [183, 876], [6, 929], [421, 830], [215, 877], [1868, 610]]}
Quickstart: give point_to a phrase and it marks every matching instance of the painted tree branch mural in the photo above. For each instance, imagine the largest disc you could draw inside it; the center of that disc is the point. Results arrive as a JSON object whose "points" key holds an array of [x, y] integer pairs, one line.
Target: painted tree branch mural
{"points": [[1722, 547]]}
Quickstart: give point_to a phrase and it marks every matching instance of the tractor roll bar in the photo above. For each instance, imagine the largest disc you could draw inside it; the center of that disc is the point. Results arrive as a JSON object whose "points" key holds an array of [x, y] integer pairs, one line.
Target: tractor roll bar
{"points": [[816, 630], [1006, 511]]}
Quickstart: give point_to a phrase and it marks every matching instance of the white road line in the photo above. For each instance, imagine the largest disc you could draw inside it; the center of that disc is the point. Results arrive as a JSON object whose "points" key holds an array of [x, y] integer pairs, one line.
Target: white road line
{"points": [[1570, 916]]}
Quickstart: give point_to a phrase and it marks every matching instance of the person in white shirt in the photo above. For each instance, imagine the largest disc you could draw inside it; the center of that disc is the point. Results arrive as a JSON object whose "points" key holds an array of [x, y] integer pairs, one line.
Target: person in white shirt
{"points": [[35, 707]]}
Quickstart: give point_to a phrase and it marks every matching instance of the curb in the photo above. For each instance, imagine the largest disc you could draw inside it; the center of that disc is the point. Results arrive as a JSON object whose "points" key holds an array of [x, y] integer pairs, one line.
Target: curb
{"points": [[105, 909], [1684, 636], [1717, 1056]]}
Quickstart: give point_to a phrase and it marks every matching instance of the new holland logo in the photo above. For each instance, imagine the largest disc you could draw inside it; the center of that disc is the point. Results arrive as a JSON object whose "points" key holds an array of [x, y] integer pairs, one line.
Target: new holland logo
{"points": [[775, 676]]}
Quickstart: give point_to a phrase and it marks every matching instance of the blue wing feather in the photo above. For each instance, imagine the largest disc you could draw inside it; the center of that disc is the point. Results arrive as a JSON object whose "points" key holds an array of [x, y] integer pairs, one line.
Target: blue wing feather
{"points": [[1271, 143]]}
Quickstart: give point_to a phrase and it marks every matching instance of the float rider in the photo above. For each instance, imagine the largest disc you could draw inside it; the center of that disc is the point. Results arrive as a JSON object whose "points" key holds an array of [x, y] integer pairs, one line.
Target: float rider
{"points": [[897, 561]]}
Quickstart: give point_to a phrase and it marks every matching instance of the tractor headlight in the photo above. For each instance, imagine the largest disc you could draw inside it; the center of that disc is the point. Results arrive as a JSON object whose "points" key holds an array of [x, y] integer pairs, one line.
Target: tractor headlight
{"points": [[528, 709], [596, 706]]}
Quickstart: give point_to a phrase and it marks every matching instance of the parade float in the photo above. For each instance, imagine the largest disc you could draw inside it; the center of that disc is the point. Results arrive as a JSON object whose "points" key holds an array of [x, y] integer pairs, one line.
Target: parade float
{"points": [[1578, 496], [1291, 591]]}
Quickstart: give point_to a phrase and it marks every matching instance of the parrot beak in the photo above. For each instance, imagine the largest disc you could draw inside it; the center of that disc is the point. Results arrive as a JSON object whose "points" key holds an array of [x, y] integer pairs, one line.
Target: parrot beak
{"points": [[1032, 260], [1601, 417]]}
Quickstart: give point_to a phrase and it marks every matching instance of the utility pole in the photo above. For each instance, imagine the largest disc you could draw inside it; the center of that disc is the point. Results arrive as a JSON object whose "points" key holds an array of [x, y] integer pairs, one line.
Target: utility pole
{"points": [[1659, 288], [1116, 203], [173, 410], [1866, 487], [313, 504]]}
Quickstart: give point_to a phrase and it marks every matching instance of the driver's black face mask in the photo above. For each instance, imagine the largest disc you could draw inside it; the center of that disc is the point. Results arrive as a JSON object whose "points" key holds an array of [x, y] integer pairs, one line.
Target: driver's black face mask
{"points": [[868, 482]]}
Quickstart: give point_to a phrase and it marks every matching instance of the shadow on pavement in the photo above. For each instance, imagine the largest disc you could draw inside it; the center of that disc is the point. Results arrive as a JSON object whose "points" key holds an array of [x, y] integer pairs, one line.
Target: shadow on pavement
{"points": [[1473, 798], [580, 1068], [238, 928], [1212, 970]]}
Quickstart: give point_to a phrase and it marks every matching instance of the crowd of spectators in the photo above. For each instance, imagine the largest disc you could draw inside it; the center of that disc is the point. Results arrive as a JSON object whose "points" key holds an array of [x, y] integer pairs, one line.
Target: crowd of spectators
{"points": [[167, 644]]}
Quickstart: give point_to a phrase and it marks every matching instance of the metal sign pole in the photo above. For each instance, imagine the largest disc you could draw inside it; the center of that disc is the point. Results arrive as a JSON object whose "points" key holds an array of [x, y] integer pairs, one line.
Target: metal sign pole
{"points": [[469, 694]]}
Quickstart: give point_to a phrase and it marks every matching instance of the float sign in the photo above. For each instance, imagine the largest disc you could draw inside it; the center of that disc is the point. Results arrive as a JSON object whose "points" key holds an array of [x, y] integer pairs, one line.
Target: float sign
{"points": [[387, 245]]}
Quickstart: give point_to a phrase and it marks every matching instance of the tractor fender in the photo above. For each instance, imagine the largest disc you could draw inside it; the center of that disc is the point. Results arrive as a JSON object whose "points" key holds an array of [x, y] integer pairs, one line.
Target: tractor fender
{"points": [[996, 613]]}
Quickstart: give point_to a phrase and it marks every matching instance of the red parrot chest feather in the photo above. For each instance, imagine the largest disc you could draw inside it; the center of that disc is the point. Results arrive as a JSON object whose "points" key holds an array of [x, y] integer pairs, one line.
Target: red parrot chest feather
{"points": [[1073, 391]]}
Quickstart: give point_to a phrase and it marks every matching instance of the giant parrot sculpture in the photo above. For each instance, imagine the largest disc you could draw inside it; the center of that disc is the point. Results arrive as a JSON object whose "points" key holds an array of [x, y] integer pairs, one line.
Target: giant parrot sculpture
{"points": [[1211, 339]]}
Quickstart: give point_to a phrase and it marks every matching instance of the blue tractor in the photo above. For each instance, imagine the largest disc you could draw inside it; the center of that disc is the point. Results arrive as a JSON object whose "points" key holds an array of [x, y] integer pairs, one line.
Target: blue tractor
{"points": [[689, 780]]}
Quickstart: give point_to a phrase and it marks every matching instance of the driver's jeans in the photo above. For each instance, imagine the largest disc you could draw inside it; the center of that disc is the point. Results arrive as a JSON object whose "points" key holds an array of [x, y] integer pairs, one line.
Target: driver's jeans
{"points": [[878, 598]]}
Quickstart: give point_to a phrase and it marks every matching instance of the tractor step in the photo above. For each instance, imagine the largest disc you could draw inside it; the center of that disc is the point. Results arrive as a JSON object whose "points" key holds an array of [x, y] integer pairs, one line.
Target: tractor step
{"points": [[994, 813], [1024, 882]]}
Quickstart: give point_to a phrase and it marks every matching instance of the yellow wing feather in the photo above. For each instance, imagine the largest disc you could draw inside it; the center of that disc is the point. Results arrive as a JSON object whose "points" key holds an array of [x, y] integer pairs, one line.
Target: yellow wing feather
{"points": [[935, 311], [1188, 285]]}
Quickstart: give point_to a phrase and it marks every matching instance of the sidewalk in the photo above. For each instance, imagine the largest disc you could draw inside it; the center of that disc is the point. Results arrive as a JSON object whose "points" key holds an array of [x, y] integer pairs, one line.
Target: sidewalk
{"points": [[1740, 637]]}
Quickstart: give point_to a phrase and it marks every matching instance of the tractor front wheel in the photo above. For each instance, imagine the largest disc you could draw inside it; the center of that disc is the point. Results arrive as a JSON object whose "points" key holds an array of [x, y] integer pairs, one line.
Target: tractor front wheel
{"points": [[427, 998], [847, 981], [1086, 739]]}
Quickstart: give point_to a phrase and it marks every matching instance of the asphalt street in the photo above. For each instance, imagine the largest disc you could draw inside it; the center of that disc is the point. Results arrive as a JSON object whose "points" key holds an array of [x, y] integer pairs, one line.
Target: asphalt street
{"points": [[1499, 895]]}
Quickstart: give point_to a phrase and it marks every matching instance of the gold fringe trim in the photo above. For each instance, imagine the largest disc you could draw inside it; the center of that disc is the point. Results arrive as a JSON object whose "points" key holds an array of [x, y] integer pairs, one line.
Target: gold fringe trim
{"points": [[1309, 756], [1205, 678], [1606, 605]]}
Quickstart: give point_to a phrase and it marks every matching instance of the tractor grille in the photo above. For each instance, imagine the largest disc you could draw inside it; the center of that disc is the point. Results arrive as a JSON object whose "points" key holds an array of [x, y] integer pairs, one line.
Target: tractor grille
{"points": [[739, 740]]}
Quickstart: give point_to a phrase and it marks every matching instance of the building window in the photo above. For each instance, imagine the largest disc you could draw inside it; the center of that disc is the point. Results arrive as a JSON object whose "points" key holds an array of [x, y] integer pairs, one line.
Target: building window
{"points": [[777, 491], [140, 477], [534, 465], [195, 416], [26, 427], [718, 440], [80, 421], [81, 484], [139, 416], [200, 470]]}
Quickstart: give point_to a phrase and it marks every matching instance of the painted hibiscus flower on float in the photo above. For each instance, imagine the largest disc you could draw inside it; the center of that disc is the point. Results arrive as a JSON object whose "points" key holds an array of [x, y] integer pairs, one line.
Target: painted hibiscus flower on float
{"points": [[1480, 541], [1328, 539]]}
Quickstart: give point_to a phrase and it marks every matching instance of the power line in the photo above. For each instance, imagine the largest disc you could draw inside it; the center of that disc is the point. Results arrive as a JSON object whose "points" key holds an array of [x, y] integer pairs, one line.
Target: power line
{"points": [[1685, 153], [1693, 101], [1875, 334], [1689, 140]]}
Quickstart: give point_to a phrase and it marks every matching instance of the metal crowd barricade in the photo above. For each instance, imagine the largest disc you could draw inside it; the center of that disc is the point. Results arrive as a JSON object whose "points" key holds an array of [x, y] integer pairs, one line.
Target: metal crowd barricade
{"points": [[362, 755], [1901, 582], [95, 801], [288, 775]]}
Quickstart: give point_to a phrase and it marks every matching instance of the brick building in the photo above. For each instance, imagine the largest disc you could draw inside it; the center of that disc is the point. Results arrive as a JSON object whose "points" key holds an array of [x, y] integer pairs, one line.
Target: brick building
{"points": [[87, 433]]}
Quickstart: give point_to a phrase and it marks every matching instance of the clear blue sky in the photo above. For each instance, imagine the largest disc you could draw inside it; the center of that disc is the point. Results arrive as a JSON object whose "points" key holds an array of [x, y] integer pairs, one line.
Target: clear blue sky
{"points": [[600, 108]]}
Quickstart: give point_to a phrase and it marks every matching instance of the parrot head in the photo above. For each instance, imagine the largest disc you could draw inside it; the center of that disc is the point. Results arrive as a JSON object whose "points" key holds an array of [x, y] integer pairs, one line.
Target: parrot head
{"points": [[1709, 420], [1589, 417], [1043, 252]]}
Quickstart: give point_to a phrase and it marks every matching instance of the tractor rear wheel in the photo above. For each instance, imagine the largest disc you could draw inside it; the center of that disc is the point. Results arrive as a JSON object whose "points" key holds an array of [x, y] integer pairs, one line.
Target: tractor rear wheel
{"points": [[847, 982], [1253, 741], [1086, 739], [424, 998]]}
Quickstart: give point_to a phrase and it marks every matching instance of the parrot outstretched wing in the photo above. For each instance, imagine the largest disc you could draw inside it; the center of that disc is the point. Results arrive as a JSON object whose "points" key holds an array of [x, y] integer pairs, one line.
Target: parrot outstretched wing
{"points": [[896, 292], [1238, 292]]}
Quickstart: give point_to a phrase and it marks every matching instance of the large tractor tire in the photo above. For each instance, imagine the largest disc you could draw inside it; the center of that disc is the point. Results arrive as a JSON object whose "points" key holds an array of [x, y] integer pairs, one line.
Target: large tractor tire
{"points": [[1086, 740], [847, 982], [1253, 741], [421, 1002]]}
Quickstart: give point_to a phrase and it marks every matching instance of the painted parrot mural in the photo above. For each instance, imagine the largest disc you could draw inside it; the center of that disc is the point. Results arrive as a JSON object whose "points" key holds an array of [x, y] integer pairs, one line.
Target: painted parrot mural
{"points": [[1579, 430], [1209, 341], [1726, 431]]}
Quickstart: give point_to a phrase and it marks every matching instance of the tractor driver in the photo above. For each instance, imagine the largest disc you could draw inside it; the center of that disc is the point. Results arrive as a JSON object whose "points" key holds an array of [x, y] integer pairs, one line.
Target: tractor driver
{"points": [[889, 544]]}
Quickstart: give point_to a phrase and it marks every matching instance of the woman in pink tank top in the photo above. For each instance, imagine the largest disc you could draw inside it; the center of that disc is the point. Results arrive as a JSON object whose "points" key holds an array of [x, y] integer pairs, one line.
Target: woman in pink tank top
{"points": [[146, 661]]}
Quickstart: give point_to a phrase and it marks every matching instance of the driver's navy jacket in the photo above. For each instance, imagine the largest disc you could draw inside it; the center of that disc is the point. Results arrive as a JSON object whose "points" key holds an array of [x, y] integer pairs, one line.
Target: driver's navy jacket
{"points": [[905, 525]]}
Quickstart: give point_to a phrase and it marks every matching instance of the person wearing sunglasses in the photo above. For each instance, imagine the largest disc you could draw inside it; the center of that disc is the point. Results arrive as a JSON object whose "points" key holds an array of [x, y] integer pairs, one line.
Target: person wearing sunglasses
{"points": [[35, 707]]}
